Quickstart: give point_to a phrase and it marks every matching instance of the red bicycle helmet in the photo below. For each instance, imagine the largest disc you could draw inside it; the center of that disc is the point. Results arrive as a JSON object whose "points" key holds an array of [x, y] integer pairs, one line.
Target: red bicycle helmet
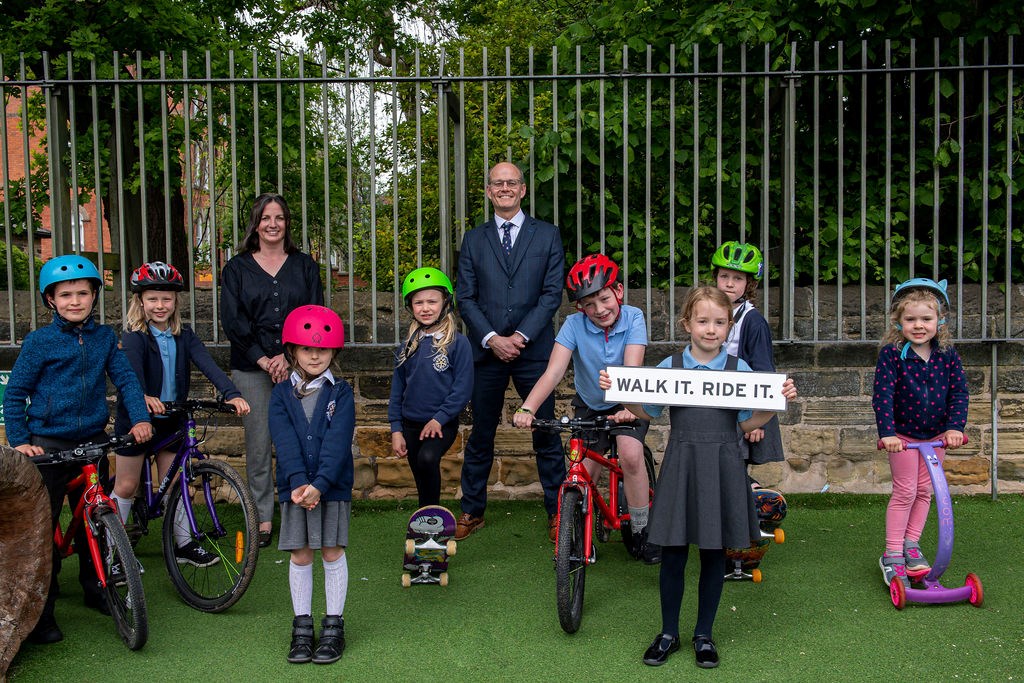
{"points": [[157, 275], [316, 326], [589, 275]]}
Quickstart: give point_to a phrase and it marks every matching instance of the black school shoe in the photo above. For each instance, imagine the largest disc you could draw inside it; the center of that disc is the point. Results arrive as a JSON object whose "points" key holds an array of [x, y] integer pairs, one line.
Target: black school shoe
{"points": [[705, 651], [97, 600], [301, 649], [332, 640], [663, 645], [46, 631]]}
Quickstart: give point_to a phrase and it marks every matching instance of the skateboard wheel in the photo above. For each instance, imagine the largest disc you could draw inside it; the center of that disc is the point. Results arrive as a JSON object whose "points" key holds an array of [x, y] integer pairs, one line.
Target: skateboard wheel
{"points": [[443, 579], [780, 536], [755, 575], [451, 547], [406, 580], [410, 547], [977, 595], [898, 593]]}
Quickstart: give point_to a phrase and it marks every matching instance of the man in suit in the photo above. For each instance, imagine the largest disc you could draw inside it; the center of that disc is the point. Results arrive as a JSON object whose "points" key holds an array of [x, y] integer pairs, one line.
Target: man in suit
{"points": [[509, 287]]}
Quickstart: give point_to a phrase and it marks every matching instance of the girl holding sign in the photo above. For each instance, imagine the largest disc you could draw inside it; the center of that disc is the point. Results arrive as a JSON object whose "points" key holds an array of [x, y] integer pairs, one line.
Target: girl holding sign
{"points": [[703, 497], [920, 394], [737, 269]]}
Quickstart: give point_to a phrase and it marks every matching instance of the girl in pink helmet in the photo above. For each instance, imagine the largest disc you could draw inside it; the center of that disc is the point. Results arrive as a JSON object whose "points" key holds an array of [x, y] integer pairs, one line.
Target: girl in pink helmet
{"points": [[312, 419]]}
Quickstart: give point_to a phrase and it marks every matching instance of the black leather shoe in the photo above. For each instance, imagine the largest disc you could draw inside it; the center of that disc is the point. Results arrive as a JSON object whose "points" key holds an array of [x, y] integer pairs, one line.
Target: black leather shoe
{"points": [[664, 645], [46, 631], [265, 538], [301, 650], [332, 641], [97, 601], [705, 651]]}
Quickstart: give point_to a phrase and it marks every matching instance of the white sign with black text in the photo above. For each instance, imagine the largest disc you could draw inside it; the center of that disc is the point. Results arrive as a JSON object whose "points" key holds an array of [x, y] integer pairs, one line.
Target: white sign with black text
{"points": [[706, 388]]}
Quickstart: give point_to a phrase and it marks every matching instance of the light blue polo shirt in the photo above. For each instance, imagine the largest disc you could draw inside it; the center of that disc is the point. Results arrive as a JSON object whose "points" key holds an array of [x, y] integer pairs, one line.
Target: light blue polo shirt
{"points": [[717, 363], [168, 359], [593, 351]]}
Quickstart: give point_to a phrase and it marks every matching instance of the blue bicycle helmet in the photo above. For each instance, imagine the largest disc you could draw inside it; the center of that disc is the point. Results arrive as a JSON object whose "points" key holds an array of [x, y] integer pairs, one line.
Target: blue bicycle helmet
{"points": [[908, 286], [64, 268]]}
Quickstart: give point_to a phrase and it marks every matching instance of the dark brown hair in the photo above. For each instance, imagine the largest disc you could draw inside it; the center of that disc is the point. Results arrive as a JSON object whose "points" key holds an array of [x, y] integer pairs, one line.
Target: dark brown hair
{"points": [[251, 242]]}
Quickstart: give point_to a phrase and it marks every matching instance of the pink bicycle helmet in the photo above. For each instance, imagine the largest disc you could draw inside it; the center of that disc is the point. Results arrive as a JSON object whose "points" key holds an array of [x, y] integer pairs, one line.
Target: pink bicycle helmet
{"points": [[316, 326]]}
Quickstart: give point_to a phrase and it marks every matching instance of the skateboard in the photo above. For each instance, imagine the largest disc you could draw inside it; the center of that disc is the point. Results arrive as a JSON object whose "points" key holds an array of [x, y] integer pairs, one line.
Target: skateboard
{"points": [[428, 545], [771, 510]]}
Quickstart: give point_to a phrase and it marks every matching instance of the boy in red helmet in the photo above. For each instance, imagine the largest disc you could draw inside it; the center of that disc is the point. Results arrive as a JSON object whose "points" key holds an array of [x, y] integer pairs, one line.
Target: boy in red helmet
{"points": [[605, 332]]}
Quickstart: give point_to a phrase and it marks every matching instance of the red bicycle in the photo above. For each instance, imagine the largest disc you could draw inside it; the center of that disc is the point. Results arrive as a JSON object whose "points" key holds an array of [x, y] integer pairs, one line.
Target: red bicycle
{"points": [[108, 541], [582, 510]]}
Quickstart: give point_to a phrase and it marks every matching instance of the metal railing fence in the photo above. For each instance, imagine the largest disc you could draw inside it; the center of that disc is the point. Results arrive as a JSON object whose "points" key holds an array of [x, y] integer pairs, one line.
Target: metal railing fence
{"points": [[852, 166]]}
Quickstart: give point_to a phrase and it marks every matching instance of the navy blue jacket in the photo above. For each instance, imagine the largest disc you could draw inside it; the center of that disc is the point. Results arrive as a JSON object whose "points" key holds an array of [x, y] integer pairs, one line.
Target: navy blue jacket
{"points": [[317, 452], [429, 387], [144, 355], [505, 294], [58, 386], [756, 342]]}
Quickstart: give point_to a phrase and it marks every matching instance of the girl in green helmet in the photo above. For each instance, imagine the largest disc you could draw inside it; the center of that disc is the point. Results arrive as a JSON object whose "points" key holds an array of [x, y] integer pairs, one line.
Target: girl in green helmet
{"points": [[432, 382], [737, 270]]}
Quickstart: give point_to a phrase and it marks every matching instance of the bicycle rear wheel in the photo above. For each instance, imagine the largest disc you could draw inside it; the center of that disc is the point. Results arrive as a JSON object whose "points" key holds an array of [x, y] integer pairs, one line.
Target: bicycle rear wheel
{"points": [[228, 529], [570, 560], [627, 531], [125, 595]]}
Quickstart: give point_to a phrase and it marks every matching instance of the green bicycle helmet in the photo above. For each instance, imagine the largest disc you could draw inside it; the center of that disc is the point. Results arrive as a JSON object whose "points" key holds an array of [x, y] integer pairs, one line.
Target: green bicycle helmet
{"points": [[745, 258], [425, 278]]}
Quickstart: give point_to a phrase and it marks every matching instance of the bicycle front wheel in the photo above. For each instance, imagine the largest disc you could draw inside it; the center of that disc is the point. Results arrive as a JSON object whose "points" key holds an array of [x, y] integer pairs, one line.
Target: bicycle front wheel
{"points": [[570, 560], [125, 595], [211, 567]]}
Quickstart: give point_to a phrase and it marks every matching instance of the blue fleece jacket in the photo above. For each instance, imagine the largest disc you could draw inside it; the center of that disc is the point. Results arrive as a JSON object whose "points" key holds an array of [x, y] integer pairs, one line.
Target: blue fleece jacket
{"points": [[58, 385], [432, 386]]}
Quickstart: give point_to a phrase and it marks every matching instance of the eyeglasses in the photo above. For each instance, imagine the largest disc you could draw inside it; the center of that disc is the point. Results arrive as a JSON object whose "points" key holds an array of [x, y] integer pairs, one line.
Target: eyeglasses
{"points": [[505, 183]]}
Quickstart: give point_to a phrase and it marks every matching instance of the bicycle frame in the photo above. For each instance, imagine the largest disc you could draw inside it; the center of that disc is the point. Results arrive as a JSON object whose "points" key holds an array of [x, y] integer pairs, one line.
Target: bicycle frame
{"points": [[92, 497], [188, 450], [578, 477]]}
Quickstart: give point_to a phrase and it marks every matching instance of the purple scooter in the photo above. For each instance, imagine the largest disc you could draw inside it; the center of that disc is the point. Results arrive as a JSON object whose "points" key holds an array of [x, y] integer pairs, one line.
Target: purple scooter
{"points": [[933, 591]]}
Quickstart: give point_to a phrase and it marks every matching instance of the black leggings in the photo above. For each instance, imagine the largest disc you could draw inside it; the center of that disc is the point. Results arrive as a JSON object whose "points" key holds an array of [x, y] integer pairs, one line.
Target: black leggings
{"points": [[425, 458], [709, 588]]}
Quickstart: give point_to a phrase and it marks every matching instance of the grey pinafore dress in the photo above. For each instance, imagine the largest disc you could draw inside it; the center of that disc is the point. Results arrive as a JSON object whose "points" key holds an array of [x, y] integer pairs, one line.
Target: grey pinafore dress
{"points": [[702, 496]]}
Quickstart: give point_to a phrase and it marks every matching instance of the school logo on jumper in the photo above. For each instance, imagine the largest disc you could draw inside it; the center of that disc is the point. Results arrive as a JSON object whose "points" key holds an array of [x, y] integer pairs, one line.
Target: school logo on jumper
{"points": [[441, 362], [707, 388], [330, 411]]}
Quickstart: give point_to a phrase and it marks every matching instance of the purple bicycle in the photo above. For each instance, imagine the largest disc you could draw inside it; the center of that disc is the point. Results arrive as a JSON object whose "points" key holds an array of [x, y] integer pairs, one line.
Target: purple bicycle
{"points": [[211, 526], [932, 591]]}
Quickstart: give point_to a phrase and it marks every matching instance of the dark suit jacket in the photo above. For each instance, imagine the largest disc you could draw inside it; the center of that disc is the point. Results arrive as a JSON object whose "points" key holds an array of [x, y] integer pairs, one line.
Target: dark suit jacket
{"points": [[503, 294]]}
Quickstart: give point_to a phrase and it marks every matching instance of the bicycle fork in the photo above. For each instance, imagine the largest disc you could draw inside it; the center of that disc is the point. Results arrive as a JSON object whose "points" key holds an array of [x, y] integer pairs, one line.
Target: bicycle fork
{"points": [[588, 518]]}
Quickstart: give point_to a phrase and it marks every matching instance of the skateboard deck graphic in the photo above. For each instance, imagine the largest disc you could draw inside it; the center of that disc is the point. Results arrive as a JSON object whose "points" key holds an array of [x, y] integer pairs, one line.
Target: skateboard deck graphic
{"points": [[771, 510], [428, 545]]}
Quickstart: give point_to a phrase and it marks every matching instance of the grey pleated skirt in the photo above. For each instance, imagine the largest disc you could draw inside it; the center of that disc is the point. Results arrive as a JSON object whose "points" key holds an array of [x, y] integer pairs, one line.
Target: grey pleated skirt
{"points": [[325, 526]]}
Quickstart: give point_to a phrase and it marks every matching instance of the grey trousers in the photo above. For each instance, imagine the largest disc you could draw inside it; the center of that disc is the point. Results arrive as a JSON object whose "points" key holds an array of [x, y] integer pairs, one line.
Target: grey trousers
{"points": [[255, 386]]}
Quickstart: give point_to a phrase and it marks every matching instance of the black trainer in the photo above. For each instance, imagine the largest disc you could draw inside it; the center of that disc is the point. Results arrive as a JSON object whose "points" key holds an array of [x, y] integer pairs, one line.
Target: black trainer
{"points": [[46, 631], [332, 640], [301, 650], [194, 554], [648, 553]]}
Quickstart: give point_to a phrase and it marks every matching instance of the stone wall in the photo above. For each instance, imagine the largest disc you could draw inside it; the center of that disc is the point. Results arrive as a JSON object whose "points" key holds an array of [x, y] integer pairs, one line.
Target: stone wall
{"points": [[828, 431]]}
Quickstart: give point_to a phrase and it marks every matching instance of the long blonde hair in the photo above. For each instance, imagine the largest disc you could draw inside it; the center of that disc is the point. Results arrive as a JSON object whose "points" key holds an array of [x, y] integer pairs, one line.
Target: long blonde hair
{"points": [[305, 378], [446, 326], [135, 319], [894, 335]]}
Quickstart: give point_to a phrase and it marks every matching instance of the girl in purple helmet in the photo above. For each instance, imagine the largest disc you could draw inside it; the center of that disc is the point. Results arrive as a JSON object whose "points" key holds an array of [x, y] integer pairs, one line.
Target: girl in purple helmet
{"points": [[920, 394], [312, 420]]}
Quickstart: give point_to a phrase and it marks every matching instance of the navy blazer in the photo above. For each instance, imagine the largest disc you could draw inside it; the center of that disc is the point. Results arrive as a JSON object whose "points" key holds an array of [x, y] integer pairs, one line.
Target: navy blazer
{"points": [[144, 356], [519, 292], [317, 451]]}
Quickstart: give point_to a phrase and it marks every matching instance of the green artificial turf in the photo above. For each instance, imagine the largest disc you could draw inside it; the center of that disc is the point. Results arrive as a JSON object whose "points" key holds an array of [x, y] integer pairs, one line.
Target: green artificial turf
{"points": [[821, 613]]}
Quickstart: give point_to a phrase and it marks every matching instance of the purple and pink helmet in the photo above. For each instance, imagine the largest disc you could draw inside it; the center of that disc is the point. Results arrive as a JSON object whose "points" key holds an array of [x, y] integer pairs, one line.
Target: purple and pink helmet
{"points": [[315, 326]]}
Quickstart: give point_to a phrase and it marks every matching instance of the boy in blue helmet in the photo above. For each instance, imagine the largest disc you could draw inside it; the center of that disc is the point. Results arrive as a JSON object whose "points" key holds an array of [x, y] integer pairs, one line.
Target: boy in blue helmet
{"points": [[57, 398]]}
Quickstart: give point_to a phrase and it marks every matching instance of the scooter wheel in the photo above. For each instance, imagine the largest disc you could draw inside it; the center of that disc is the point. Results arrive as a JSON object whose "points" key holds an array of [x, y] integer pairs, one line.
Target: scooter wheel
{"points": [[898, 593], [977, 595]]}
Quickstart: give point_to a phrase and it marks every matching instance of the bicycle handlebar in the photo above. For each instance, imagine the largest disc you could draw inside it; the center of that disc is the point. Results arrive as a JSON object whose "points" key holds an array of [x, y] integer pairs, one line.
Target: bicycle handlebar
{"points": [[192, 405], [85, 452], [601, 423]]}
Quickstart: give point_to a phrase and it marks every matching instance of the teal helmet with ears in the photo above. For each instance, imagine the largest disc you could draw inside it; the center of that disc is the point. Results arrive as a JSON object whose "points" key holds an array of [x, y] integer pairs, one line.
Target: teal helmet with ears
{"points": [[904, 288]]}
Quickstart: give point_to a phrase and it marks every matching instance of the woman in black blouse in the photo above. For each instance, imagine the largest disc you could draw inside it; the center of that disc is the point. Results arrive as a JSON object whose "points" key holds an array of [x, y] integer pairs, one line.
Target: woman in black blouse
{"points": [[262, 284]]}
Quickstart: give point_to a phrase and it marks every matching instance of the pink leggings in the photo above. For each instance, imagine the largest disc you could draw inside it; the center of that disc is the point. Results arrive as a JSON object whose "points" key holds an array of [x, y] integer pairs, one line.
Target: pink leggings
{"points": [[911, 497]]}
